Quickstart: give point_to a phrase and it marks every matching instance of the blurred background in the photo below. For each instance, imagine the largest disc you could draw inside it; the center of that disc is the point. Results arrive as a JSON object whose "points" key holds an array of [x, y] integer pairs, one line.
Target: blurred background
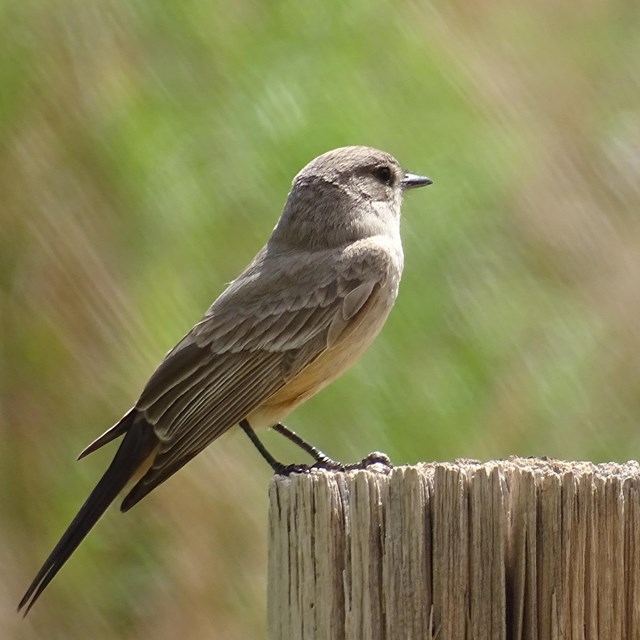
{"points": [[146, 150]]}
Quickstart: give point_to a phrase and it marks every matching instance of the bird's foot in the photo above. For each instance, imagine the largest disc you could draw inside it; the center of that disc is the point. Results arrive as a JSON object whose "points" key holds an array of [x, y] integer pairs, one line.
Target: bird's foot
{"points": [[288, 469], [327, 464], [374, 458], [323, 461]]}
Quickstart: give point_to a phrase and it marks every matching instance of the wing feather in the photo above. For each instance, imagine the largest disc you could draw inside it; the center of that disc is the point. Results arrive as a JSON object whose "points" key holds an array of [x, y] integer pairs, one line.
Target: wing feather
{"points": [[255, 338]]}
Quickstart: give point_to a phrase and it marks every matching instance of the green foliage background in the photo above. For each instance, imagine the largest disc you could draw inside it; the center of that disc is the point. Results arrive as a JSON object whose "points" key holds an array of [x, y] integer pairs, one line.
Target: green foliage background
{"points": [[146, 150]]}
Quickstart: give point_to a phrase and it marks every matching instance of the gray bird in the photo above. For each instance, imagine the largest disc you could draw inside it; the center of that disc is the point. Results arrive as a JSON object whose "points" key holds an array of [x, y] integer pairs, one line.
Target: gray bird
{"points": [[304, 310]]}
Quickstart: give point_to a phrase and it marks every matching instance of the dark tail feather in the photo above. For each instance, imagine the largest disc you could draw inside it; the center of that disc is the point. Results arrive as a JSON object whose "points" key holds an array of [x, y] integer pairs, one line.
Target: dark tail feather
{"points": [[110, 434], [136, 447]]}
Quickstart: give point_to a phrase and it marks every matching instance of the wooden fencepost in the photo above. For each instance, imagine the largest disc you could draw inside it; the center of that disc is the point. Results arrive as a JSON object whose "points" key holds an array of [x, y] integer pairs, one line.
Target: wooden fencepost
{"points": [[518, 549]]}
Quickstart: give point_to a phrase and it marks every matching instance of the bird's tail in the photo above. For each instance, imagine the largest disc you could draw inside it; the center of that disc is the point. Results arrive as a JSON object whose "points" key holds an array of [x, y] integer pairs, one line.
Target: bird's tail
{"points": [[138, 444]]}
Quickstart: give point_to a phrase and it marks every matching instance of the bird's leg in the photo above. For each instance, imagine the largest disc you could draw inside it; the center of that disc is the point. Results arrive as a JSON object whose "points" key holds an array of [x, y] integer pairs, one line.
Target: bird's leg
{"points": [[323, 461], [277, 467], [319, 456]]}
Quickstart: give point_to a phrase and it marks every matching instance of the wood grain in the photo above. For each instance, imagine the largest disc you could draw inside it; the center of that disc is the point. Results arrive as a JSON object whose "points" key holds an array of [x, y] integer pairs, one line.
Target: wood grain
{"points": [[520, 549]]}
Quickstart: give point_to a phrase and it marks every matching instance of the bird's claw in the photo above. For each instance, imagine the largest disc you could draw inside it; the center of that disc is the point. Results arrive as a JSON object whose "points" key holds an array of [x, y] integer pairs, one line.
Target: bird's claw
{"points": [[327, 464], [288, 469], [375, 457]]}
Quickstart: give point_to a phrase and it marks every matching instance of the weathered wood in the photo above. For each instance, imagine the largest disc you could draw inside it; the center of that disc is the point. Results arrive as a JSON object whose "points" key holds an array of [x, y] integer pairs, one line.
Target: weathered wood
{"points": [[521, 549]]}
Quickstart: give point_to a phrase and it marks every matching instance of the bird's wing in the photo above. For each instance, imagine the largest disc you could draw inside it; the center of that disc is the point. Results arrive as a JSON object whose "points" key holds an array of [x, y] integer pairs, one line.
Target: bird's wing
{"points": [[241, 354]]}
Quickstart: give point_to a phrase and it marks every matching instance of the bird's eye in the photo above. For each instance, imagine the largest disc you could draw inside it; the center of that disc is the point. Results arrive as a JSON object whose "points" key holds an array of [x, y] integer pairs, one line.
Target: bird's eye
{"points": [[383, 174]]}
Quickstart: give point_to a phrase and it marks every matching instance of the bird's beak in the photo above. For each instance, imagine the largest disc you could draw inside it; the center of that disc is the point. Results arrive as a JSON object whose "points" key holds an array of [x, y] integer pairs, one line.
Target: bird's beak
{"points": [[412, 181]]}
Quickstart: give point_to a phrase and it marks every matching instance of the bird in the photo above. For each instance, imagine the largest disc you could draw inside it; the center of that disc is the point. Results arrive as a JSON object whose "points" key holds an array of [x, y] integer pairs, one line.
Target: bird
{"points": [[302, 312]]}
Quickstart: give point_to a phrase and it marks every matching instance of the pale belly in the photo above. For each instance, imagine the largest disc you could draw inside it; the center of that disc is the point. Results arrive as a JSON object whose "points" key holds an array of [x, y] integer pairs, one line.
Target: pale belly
{"points": [[328, 366]]}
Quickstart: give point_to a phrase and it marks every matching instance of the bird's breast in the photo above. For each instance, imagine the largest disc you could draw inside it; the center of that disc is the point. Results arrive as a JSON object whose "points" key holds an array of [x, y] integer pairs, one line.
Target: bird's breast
{"points": [[331, 363]]}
